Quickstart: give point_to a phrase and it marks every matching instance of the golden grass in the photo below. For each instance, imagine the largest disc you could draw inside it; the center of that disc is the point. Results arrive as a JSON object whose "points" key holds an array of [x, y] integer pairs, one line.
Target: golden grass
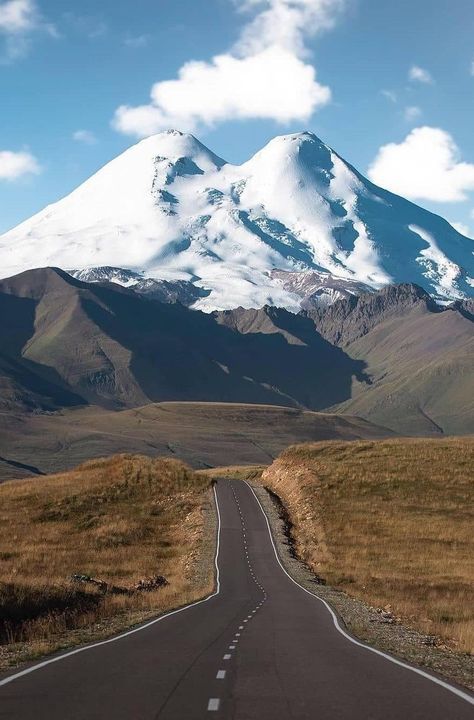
{"points": [[120, 520], [237, 472], [390, 522]]}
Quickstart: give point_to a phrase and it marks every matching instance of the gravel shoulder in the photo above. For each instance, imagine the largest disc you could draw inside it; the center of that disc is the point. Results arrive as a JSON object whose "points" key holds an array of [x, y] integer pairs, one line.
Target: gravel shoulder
{"points": [[372, 625]]}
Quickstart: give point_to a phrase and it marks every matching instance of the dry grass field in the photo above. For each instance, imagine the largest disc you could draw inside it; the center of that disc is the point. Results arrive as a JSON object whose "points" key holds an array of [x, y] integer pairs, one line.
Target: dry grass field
{"points": [[234, 472], [203, 434], [119, 520], [390, 522]]}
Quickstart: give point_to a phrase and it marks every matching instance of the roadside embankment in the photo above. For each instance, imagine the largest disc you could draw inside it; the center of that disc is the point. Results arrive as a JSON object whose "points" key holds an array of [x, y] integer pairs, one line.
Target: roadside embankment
{"points": [[383, 530], [87, 553]]}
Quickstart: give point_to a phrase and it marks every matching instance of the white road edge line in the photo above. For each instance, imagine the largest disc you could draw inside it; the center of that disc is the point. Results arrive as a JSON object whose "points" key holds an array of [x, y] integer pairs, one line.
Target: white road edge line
{"points": [[213, 704], [43, 664], [418, 671], [220, 675]]}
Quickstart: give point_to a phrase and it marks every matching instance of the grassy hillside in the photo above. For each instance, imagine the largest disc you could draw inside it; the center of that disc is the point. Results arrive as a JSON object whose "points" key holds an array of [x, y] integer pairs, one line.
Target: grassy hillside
{"points": [[200, 434], [389, 522], [125, 522], [422, 371]]}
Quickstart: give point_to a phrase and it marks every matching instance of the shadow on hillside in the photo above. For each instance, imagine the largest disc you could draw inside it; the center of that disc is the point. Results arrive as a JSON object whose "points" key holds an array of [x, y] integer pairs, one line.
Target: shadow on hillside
{"points": [[180, 354], [22, 466], [42, 383]]}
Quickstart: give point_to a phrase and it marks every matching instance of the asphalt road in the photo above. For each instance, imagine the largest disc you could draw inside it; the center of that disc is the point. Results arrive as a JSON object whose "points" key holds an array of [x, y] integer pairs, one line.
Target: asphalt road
{"points": [[261, 648]]}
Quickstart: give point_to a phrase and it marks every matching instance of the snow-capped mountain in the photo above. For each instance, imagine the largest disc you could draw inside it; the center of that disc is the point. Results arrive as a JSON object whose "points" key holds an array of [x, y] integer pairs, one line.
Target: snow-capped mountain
{"points": [[295, 221]]}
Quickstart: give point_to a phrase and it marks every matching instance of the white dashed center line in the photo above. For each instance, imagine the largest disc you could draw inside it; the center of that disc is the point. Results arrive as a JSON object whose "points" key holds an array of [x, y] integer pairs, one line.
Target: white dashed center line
{"points": [[214, 703]]}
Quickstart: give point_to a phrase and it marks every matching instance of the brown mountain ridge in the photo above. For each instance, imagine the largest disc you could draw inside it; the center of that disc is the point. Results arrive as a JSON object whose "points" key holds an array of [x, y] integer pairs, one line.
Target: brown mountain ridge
{"points": [[393, 357]]}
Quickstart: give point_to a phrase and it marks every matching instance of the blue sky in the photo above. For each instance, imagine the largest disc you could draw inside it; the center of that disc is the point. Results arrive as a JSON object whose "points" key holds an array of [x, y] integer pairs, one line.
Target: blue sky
{"points": [[393, 91]]}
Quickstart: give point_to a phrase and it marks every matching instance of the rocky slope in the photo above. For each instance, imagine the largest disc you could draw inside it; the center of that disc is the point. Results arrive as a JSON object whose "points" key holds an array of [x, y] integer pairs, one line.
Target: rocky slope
{"points": [[351, 318]]}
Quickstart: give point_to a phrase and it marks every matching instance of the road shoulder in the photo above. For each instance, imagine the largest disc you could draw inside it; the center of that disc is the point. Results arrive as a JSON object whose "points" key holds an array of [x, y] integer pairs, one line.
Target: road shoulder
{"points": [[361, 620]]}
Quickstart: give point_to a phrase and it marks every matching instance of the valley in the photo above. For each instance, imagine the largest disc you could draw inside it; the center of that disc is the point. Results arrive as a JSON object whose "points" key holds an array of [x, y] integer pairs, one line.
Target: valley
{"points": [[236, 360], [89, 368], [201, 434]]}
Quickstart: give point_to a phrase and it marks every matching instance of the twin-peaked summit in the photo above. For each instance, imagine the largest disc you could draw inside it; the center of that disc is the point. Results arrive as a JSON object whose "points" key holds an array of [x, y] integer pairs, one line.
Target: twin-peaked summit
{"points": [[294, 222]]}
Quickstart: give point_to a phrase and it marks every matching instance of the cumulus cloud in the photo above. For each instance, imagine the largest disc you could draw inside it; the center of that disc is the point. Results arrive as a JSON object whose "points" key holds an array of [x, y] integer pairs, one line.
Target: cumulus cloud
{"points": [[229, 88], [286, 23], [419, 74], [85, 136], [264, 75], [425, 166], [19, 19], [14, 165]]}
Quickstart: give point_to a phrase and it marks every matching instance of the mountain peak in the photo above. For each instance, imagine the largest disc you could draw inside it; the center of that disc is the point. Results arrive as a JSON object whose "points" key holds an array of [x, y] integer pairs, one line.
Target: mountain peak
{"points": [[298, 137], [169, 209], [304, 147], [174, 144]]}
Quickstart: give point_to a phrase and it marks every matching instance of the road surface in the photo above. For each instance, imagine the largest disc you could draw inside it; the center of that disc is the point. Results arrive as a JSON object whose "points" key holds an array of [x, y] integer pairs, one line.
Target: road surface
{"points": [[261, 648]]}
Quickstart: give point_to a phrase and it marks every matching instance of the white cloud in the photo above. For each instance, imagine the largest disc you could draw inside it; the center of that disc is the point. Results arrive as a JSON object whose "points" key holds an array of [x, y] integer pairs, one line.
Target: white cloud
{"points": [[412, 113], [286, 23], [425, 166], [265, 75], [14, 165], [419, 74], [390, 95], [136, 41], [19, 19], [18, 16], [229, 88], [85, 136], [462, 228]]}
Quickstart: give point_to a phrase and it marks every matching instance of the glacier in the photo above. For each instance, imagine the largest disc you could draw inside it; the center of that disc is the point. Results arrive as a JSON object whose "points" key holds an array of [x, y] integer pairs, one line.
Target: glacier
{"points": [[295, 224]]}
